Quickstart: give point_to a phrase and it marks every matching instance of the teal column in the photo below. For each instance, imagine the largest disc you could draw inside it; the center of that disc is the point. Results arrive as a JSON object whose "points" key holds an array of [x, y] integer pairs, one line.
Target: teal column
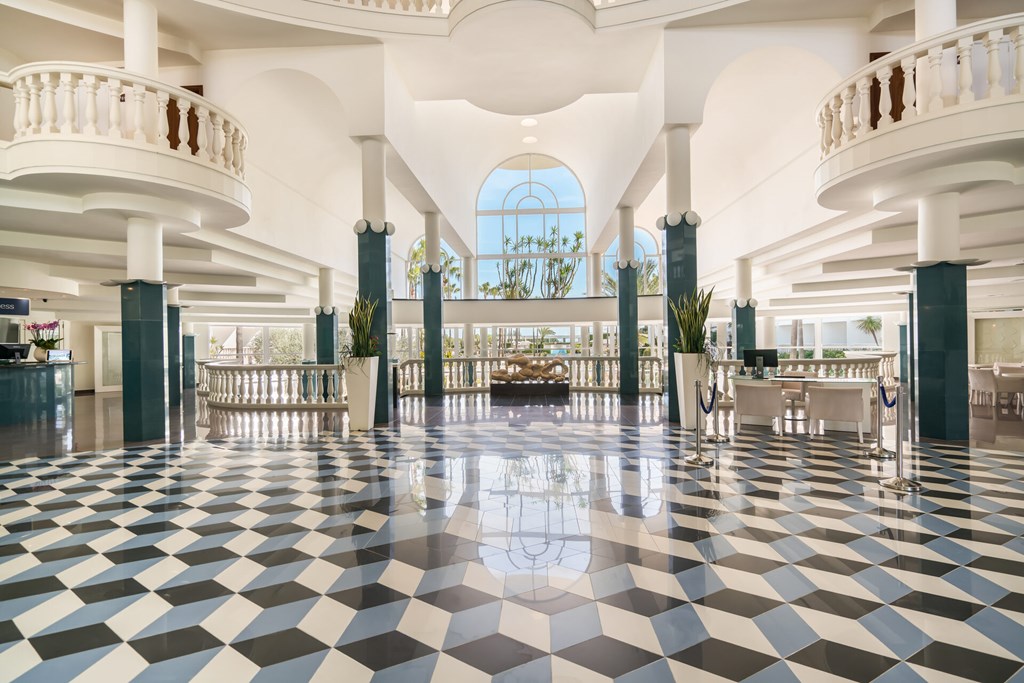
{"points": [[144, 360], [173, 355], [941, 307], [679, 245], [903, 353], [911, 348], [433, 330], [188, 361], [629, 341], [744, 329], [326, 337], [374, 278]]}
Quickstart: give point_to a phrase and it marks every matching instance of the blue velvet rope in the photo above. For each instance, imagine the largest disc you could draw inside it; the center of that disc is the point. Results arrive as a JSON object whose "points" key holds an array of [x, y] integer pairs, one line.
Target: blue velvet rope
{"points": [[885, 397], [714, 397]]}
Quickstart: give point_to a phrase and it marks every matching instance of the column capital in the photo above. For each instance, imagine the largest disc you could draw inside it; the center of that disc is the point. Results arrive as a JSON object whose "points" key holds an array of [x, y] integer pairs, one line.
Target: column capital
{"points": [[376, 225], [677, 218]]}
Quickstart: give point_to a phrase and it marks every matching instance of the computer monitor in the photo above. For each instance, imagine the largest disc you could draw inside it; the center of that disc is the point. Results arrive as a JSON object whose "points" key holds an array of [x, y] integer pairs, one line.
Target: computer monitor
{"points": [[14, 351], [759, 359]]}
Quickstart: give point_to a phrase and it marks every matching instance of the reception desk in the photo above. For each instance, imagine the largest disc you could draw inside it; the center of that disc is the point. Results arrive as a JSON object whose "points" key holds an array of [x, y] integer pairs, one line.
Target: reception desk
{"points": [[36, 391], [865, 385]]}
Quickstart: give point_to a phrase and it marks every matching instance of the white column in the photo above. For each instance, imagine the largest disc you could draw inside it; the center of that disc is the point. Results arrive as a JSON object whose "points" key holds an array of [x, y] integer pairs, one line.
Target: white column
{"points": [[627, 237], [572, 339], [469, 284], [140, 38], [266, 345], [818, 328], [594, 275], [308, 341], [891, 331], [145, 250], [173, 296], [938, 227], [594, 289], [766, 328], [494, 342], [744, 288], [432, 238], [932, 17], [414, 350], [326, 287], [677, 168], [469, 341], [202, 341], [374, 183]]}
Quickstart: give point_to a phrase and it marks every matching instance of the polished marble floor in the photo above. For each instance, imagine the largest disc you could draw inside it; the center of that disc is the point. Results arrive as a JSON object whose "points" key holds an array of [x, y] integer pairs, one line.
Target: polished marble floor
{"points": [[510, 543]]}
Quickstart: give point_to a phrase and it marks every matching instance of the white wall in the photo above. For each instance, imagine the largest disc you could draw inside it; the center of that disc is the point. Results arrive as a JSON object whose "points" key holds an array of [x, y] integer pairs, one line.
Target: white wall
{"points": [[81, 340]]}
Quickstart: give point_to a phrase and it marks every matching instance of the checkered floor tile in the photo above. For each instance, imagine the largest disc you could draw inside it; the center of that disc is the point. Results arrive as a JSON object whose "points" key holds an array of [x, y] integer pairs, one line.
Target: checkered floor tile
{"points": [[510, 552]]}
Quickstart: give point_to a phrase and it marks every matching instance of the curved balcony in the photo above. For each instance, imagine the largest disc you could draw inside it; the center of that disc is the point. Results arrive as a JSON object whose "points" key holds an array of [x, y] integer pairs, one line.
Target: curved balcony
{"points": [[956, 99], [118, 133]]}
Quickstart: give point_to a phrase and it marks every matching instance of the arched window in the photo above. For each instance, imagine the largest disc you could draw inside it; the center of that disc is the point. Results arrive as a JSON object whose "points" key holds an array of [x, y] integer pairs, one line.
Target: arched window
{"points": [[645, 250], [451, 271], [531, 230]]}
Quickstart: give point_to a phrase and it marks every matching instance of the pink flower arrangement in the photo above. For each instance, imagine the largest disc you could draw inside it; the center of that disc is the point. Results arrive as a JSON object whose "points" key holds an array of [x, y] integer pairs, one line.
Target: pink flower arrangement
{"points": [[44, 335]]}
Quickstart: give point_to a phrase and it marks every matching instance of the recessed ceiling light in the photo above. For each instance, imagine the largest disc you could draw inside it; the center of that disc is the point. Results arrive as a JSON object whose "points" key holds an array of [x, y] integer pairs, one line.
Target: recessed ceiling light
{"points": [[528, 123], [529, 139]]}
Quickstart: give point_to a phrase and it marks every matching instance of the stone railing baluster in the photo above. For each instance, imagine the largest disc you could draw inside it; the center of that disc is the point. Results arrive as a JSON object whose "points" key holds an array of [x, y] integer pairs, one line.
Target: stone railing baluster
{"points": [[49, 122], [884, 97], [965, 79], [139, 118], [995, 69], [69, 114], [35, 111], [114, 114], [202, 139]]}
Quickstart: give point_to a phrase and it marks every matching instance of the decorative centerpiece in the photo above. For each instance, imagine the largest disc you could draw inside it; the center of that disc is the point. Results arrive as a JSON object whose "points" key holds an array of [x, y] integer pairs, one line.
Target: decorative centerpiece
{"points": [[361, 359], [44, 337], [525, 376], [692, 358]]}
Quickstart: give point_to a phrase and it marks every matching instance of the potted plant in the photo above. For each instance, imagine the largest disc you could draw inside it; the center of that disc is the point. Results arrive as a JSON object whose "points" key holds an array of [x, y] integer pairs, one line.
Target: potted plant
{"points": [[692, 358], [361, 361], [44, 336]]}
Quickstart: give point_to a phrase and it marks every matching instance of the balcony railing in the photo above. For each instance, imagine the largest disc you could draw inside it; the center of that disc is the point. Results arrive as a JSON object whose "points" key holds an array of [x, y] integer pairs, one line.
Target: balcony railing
{"points": [[230, 385], [846, 115], [70, 100], [586, 373]]}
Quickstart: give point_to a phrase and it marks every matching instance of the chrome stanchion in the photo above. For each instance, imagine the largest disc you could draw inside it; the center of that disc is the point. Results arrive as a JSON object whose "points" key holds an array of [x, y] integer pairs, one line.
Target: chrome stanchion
{"points": [[698, 458], [878, 451], [716, 437], [900, 483]]}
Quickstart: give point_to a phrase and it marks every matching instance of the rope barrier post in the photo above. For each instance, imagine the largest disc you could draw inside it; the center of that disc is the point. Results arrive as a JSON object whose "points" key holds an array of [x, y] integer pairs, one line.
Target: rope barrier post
{"points": [[698, 458], [899, 483], [878, 451], [716, 437]]}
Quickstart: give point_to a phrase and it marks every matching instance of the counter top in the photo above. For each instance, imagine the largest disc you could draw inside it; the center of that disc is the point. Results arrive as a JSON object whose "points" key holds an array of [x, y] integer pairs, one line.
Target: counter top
{"points": [[26, 365]]}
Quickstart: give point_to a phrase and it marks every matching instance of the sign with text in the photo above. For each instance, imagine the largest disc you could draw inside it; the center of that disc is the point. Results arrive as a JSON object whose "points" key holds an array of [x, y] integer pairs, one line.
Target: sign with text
{"points": [[14, 306]]}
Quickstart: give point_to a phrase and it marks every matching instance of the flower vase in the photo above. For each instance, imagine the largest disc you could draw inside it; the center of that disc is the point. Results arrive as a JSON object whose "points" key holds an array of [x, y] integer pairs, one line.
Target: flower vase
{"points": [[39, 354], [361, 379]]}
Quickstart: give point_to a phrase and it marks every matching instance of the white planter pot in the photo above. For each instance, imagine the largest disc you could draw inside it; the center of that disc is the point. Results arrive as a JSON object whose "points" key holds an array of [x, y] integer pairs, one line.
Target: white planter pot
{"points": [[690, 367], [361, 378]]}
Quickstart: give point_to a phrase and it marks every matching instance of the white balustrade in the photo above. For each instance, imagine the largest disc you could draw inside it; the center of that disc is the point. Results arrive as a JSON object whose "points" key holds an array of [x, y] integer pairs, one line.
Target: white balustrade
{"points": [[844, 114], [586, 373], [76, 101], [274, 386]]}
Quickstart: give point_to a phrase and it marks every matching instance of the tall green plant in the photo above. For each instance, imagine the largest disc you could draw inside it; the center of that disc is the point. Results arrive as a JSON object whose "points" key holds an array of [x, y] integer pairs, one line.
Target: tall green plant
{"points": [[558, 272], [691, 315], [360, 318]]}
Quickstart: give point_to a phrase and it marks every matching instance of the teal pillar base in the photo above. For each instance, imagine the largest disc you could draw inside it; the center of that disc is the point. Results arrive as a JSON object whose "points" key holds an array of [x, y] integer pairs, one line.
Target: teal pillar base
{"points": [[679, 245], [174, 355], [188, 361], [144, 360], [941, 307], [903, 354], [744, 330], [433, 330], [327, 339], [374, 279], [629, 342]]}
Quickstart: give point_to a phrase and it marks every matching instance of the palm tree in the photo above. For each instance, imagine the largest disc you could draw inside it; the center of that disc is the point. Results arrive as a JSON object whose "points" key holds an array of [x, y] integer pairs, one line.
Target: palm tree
{"points": [[872, 325]]}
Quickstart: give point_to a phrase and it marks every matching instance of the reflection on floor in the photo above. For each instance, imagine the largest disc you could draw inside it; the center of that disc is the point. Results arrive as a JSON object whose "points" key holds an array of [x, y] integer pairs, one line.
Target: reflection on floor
{"points": [[524, 543]]}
